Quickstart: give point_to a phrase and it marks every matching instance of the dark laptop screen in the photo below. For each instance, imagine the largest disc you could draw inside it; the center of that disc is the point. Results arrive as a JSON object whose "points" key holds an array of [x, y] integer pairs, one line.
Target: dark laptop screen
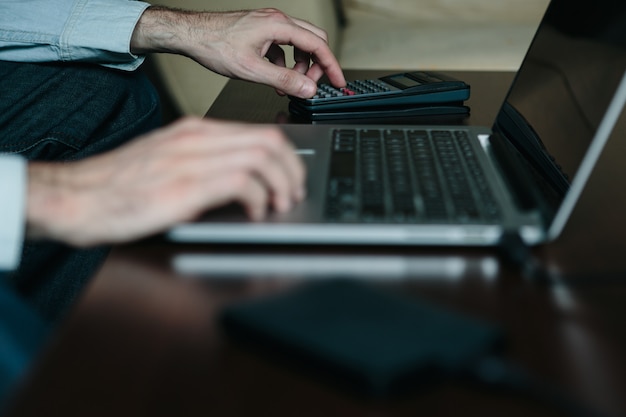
{"points": [[565, 85]]}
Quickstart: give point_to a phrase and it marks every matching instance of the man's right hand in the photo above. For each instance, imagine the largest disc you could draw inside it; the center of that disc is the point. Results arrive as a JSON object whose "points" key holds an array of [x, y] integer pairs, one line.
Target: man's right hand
{"points": [[236, 45]]}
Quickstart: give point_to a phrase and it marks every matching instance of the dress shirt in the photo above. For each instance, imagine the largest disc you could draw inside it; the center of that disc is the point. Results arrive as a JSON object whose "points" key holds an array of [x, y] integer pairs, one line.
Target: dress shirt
{"points": [[12, 209], [96, 31]]}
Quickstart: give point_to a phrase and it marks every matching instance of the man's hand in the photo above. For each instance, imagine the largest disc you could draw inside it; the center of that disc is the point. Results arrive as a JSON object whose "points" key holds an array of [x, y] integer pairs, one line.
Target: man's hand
{"points": [[235, 44], [167, 176]]}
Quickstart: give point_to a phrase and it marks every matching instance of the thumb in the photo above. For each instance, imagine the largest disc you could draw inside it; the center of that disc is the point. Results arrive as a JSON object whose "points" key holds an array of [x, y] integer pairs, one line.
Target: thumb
{"points": [[287, 80]]}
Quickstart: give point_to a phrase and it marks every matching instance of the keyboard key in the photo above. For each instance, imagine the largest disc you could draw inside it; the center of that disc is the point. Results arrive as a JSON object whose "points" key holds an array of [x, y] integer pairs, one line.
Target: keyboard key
{"points": [[407, 175]]}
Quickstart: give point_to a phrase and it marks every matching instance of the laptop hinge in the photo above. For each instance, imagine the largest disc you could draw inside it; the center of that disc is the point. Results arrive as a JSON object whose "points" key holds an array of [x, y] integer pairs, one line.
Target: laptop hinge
{"points": [[524, 191]]}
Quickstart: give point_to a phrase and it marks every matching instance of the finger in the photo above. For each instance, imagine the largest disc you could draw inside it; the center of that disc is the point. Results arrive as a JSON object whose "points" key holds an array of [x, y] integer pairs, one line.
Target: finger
{"points": [[302, 61], [254, 198], [310, 43], [326, 61], [311, 27], [286, 80], [315, 72], [276, 55], [192, 195], [282, 175], [206, 139], [206, 135], [210, 192], [272, 172]]}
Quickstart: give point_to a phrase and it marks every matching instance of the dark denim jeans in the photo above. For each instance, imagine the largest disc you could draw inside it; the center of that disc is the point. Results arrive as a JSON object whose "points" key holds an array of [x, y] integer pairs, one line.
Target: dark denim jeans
{"points": [[64, 112]]}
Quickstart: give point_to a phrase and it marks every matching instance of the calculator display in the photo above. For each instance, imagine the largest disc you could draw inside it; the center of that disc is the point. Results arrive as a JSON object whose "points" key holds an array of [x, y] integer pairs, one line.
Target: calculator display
{"points": [[404, 81]]}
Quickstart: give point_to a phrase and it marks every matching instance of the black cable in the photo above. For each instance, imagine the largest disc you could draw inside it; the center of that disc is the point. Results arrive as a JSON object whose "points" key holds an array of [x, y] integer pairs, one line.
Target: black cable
{"points": [[496, 373], [518, 255], [516, 252]]}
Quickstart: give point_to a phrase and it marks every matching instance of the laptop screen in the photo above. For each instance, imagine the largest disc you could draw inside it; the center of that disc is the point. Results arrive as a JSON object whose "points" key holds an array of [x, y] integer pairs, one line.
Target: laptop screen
{"points": [[564, 87]]}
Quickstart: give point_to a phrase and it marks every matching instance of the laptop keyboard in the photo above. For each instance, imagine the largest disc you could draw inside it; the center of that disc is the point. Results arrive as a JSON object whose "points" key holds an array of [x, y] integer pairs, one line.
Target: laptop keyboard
{"points": [[407, 175]]}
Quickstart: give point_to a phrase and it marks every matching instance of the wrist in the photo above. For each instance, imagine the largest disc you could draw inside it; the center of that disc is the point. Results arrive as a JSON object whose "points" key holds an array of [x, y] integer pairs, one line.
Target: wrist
{"points": [[163, 29], [49, 210]]}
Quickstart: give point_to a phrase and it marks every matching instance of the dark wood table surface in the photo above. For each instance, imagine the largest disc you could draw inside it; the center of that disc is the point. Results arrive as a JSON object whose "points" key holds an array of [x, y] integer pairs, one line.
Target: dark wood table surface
{"points": [[143, 340]]}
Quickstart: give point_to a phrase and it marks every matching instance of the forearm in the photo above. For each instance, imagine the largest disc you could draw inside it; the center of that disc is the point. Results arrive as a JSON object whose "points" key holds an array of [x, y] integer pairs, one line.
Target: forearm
{"points": [[65, 201], [163, 29]]}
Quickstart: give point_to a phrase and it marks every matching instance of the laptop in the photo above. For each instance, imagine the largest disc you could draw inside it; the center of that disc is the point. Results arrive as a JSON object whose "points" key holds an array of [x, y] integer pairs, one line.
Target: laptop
{"points": [[461, 185]]}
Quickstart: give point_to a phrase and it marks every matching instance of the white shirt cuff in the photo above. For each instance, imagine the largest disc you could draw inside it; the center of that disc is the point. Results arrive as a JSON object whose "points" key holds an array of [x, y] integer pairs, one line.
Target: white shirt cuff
{"points": [[12, 209]]}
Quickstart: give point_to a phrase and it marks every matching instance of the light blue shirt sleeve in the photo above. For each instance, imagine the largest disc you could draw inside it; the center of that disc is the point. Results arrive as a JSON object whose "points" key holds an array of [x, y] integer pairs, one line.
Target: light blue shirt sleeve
{"points": [[12, 210], [97, 31]]}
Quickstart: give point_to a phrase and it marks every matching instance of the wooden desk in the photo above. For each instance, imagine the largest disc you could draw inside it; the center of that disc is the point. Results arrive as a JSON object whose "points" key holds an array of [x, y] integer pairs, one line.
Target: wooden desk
{"points": [[143, 340]]}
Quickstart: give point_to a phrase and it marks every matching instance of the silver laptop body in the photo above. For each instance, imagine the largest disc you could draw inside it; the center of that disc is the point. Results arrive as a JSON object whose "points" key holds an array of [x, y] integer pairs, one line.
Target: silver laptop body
{"points": [[532, 164]]}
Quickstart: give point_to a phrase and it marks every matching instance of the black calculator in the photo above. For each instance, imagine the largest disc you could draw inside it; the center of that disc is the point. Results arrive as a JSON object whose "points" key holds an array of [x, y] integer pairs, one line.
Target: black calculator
{"points": [[402, 89]]}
